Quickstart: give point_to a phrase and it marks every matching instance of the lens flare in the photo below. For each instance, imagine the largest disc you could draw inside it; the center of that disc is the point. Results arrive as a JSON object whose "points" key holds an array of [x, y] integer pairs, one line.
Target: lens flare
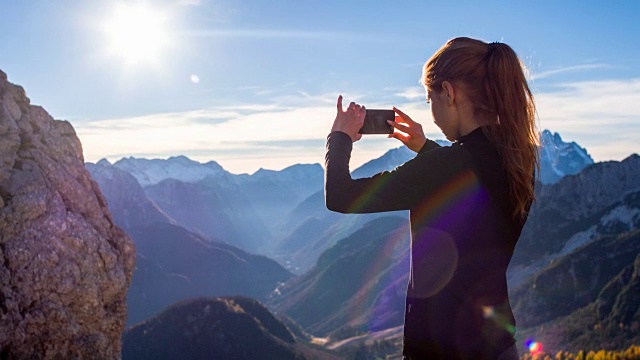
{"points": [[535, 348]]}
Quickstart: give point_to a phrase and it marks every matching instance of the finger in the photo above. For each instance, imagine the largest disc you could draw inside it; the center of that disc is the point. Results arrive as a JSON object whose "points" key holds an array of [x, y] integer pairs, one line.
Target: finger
{"points": [[358, 137], [362, 113], [400, 136], [398, 125], [404, 116], [398, 120], [339, 105]]}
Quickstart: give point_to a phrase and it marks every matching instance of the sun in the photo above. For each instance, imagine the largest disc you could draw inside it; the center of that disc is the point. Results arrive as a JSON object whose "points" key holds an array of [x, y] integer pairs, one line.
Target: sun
{"points": [[136, 33]]}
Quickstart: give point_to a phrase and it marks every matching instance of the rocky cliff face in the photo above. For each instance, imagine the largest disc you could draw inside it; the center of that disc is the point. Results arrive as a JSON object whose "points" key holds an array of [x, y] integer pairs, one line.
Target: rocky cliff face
{"points": [[64, 266]]}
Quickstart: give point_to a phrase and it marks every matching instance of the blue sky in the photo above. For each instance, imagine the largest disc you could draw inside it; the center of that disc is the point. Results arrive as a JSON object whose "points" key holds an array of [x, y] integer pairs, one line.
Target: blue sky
{"points": [[253, 84]]}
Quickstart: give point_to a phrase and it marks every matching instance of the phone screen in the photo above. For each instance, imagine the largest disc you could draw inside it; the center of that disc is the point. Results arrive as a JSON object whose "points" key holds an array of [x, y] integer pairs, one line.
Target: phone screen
{"points": [[375, 122]]}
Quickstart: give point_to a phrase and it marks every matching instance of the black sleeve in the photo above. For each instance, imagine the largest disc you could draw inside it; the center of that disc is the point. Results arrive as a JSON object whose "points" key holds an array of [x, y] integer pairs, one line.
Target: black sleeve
{"points": [[429, 145], [400, 189]]}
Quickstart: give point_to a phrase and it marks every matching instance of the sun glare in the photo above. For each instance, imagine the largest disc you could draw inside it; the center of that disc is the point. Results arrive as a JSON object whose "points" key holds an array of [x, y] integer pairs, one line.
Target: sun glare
{"points": [[136, 33]]}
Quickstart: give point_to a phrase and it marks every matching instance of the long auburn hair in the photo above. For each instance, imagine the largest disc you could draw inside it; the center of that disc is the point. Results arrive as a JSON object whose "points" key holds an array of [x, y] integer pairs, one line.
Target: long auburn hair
{"points": [[494, 80]]}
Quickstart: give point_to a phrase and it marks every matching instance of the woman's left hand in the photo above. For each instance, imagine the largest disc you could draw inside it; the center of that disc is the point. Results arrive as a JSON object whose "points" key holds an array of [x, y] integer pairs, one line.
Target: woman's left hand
{"points": [[409, 131], [350, 121]]}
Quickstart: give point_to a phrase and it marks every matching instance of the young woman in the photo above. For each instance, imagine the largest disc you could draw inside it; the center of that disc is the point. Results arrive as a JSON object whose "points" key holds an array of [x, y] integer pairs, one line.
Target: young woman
{"points": [[468, 202]]}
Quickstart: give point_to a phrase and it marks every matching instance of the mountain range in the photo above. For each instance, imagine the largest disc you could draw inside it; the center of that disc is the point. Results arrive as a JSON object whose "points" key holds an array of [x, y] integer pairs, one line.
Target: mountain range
{"points": [[352, 269], [289, 221], [174, 263], [211, 201]]}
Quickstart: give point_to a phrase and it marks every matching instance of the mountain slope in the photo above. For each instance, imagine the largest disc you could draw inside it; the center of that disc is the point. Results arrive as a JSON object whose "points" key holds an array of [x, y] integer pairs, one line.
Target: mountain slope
{"points": [[611, 321], [575, 280], [127, 201], [215, 328], [358, 284], [568, 209], [222, 213], [174, 264]]}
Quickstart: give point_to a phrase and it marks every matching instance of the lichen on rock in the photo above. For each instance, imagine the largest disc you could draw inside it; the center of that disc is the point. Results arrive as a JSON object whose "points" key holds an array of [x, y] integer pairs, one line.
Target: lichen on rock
{"points": [[64, 266]]}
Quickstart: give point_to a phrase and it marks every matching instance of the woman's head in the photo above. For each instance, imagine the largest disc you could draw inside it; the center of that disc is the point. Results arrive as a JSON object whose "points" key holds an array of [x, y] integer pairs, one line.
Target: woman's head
{"points": [[493, 82]]}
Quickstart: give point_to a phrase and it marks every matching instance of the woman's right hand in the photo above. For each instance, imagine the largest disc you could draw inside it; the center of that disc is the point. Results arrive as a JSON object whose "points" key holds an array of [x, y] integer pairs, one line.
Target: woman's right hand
{"points": [[350, 121], [409, 131]]}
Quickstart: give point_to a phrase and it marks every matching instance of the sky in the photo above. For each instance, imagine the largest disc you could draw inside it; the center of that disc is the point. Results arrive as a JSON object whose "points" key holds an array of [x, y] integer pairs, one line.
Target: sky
{"points": [[253, 84]]}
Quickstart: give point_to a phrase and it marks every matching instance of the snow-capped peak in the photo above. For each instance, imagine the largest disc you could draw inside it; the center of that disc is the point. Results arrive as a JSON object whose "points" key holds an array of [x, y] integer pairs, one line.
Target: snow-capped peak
{"points": [[559, 158], [149, 172]]}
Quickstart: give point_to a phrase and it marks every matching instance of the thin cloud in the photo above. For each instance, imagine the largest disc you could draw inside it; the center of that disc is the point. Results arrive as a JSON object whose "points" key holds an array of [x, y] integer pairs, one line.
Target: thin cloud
{"points": [[548, 73], [286, 144], [411, 94]]}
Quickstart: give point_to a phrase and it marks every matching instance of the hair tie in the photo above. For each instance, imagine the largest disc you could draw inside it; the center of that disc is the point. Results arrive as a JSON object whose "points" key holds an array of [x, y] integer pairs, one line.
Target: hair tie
{"points": [[491, 47]]}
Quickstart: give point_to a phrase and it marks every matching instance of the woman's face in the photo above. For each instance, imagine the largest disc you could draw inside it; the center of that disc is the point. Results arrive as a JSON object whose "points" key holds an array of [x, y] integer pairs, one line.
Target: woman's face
{"points": [[442, 117]]}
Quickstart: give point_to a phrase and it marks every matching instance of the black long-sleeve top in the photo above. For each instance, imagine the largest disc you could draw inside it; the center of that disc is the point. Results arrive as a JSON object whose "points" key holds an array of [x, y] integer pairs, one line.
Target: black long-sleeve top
{"points": [[463, 235]]}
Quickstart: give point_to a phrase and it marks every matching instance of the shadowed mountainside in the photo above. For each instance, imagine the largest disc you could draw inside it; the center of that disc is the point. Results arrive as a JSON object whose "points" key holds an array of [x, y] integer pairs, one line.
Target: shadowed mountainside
{"points": [[357, 285], [233, 328], [175, 264]]}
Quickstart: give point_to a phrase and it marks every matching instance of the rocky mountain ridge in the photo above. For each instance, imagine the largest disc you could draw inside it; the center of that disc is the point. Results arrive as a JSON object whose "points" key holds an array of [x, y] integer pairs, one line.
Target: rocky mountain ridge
{"points": [[566, 211], [559, 159]]}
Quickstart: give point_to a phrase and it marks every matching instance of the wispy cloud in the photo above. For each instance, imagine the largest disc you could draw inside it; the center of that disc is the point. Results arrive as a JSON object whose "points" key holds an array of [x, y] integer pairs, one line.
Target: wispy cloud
{"points": [[412, 94], [533, 75], [603, 116]]}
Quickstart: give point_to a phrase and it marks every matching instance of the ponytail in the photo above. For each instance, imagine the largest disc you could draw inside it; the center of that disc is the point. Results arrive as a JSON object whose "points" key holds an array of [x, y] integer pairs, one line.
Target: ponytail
{"points": [[494, 80], [516, 135]]}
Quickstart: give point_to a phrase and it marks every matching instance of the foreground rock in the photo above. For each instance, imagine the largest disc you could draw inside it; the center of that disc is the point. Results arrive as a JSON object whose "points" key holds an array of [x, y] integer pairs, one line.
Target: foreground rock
{"points": [[64, 266]]}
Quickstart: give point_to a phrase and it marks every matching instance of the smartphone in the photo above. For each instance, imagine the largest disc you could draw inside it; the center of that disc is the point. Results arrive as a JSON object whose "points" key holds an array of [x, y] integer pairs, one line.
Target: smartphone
{"points": [[375, 122]]}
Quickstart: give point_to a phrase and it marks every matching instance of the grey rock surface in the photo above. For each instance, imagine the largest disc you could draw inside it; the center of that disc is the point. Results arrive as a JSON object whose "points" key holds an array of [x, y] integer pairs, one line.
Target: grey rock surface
{"points": [[64, 266]]}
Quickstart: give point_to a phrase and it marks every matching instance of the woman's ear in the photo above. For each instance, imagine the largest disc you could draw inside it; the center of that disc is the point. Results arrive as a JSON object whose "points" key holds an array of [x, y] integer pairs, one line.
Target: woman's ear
{"points": [[449, 92]]}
